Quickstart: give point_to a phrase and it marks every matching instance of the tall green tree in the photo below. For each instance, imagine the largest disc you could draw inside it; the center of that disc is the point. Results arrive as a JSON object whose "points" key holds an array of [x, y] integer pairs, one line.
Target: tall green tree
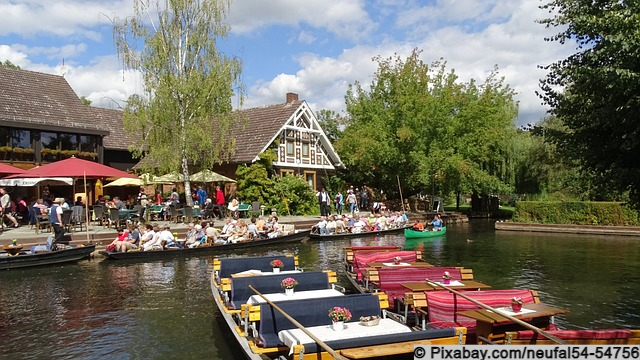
{"points": [[438, 134], [9, 65], [595, 92], [187, 83], [331, 123]]}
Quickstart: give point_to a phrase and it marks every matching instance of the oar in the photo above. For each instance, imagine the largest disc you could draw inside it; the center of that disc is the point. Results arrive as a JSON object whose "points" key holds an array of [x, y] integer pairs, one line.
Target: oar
{"points": [[501, 313], [297, 324]]}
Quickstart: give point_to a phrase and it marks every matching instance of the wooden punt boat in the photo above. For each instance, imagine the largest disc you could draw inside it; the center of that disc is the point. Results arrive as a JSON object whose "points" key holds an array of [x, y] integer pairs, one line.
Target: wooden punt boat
{"points": [[295, 237], [266, 334], [360, 234], [27, 258], [417, 234]]}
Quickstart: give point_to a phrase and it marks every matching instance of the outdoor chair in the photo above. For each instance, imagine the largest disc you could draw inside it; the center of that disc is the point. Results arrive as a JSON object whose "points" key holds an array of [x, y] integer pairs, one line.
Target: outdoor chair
{"points": [[66, 219], [172, 213], [98, 212], [114, 217], [77, 216], [41, 220], [187, 213], [255, 208]]}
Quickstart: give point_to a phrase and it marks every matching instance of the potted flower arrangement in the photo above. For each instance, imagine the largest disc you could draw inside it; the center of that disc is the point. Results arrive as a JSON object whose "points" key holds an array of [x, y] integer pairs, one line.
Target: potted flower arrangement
{"points": [[338, 317], [397, 259], [446, 278], [370, 320], [288, 284], [516, 304], [276, 265]]}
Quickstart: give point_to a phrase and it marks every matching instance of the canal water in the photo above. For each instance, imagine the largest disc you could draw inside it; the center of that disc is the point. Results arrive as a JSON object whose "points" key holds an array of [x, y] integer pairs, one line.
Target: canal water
{"points": [[164, 309]]}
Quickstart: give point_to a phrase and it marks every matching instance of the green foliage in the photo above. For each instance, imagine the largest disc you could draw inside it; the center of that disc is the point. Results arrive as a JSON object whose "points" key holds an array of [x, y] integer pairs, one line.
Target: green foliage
{"points": [[288, 194], [594, 92], [331, 124], [581, 213], [85, 101], [9, 65], [185, 115], [422, 124]]}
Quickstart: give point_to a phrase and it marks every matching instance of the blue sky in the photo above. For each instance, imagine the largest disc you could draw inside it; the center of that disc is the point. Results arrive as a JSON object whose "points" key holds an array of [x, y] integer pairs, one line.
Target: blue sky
{"points": [[315, 48]]}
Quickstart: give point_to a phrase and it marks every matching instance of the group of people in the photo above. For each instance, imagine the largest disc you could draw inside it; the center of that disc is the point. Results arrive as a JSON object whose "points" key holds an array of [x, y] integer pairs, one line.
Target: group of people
{"points": [[340, 224], [436, 223], [209, 207], [151, 237], [354, 200]]}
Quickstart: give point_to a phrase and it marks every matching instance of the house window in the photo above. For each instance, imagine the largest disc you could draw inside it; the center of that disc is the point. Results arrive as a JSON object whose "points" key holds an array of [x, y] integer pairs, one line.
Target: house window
{"points": [[88, 143], [21, 142], [284, 172], [289, 148], [310, 177], [68, 141], [305, 150]]}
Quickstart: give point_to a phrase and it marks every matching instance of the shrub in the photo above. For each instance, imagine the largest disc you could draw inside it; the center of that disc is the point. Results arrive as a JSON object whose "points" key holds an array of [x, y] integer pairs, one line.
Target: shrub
{"points": [[574, 212]]}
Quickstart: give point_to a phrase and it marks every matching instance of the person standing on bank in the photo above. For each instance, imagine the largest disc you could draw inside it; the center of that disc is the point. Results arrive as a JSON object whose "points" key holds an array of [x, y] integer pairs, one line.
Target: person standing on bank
{"points": [[339, 200], [323, 199], [5, 202], [55, 218]]}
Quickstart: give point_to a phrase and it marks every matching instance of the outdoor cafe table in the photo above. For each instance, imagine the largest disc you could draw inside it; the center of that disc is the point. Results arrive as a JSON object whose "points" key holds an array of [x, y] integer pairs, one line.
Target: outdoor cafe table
{"points": [[351, 330], [401, 264], [297, 295], [125, 214], [419, 286], [489, 322]]}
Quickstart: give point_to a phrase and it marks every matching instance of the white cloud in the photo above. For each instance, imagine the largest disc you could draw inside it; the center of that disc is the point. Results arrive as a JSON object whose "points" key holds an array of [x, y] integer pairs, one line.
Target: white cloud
{"points": [[344, 18]]}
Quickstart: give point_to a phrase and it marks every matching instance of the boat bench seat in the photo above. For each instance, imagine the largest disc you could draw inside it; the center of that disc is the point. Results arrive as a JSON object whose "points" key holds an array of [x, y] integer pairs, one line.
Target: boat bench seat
{"points": [[227, 266], [308, 280], [288, 229], [390, 278], [360, 260], [350, 251], [311, 312], [596, 337], [443, 306], [453, 336]]}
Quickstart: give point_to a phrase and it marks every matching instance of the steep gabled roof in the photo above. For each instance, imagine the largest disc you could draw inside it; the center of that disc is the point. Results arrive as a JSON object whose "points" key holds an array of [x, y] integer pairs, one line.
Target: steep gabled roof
{"points": [[36, 99], [260, 126], [111, 120]]}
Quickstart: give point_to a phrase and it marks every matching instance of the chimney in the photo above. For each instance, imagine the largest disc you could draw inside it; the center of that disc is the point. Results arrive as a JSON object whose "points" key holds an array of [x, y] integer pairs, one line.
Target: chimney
{"points": [[291, 97]]}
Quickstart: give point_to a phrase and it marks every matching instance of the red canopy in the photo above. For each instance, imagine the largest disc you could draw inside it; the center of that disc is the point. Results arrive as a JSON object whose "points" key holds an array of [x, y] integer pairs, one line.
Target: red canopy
{"points": [[10, 170], [75, 168]]}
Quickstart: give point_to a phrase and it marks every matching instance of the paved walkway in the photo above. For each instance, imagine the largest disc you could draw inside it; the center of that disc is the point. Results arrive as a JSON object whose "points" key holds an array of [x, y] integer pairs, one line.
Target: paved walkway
{"points": [[99, 234]]}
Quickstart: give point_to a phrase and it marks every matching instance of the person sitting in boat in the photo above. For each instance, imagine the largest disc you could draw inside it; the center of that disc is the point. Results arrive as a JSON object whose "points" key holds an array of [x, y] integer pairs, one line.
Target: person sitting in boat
{"points": [[227, 229], [321, 226], [350, 223], [341, 226], [252, 229], [436, 222], [239, 233], [147, 238], [331, 225], [189, 235], [358, 226], [133, 242], [198, 237], [117, 243], [276, 230], [417, 225], [166, 238]]}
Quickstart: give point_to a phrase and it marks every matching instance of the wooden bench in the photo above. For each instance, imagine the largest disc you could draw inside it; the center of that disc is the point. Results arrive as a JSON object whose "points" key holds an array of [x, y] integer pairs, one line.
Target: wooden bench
{"points": [[443, 306], [591, 337]]}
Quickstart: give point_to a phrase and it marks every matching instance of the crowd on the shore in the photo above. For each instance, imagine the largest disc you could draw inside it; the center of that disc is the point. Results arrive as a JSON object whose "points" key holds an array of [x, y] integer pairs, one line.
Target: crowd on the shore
{"points": [[340, 224]]}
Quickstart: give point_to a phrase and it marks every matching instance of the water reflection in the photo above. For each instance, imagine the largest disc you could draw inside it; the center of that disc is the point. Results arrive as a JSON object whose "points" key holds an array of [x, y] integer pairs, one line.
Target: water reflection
{"points": [[163, 309]]}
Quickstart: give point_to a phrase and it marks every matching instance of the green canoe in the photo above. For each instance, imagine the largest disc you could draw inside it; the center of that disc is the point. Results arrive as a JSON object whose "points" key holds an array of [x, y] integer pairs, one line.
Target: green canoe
{"points": [[417, 234]]}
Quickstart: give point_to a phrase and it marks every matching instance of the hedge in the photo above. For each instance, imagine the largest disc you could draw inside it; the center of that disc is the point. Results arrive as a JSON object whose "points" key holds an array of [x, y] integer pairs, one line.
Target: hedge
{"points": [[579, 213]]}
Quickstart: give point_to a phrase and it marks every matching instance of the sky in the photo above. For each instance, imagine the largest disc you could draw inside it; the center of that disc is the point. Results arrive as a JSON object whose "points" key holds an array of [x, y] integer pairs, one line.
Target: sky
{"points": [[314, 48]]}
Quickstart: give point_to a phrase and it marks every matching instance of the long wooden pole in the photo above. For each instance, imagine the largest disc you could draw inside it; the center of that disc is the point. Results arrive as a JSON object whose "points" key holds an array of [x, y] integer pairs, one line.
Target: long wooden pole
{"points": [[501, 313], [86, 206], [400, 188], [297, 324]]}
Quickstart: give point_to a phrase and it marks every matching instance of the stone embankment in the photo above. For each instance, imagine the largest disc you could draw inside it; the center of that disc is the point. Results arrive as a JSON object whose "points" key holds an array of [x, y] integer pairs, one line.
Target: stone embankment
{"points": [[569, 229]]}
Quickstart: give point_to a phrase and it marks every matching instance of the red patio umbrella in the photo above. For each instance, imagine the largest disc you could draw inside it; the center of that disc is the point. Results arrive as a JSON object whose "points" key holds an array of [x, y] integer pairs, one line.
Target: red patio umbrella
{"points": [[75, 168], [10, 170]]}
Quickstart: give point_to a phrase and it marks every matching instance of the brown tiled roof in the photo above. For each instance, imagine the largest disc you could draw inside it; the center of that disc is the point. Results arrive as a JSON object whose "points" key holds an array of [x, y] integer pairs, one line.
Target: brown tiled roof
{"points": [[111, 120], [260, 126], [38, 99]]}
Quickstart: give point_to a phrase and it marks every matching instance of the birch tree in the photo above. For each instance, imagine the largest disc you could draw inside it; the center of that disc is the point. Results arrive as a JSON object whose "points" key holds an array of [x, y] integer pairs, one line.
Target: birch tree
{"points": [[184, 116]]}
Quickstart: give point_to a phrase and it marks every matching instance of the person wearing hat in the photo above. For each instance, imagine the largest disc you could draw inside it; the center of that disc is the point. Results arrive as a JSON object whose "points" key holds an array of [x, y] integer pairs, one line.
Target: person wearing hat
{"points": [[55, 218]]}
